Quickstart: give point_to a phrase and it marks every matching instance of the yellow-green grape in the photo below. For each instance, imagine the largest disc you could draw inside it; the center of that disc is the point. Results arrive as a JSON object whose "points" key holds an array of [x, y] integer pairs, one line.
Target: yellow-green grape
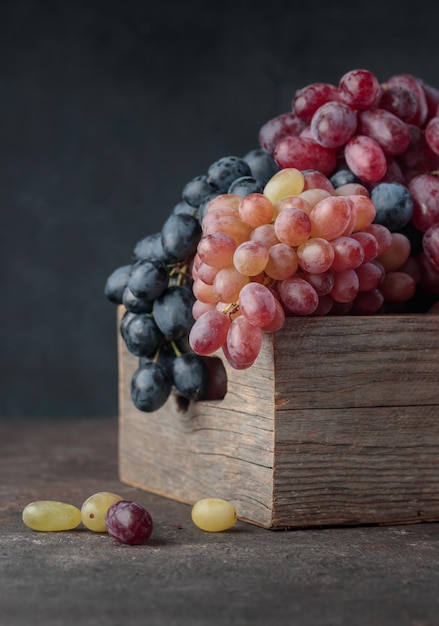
{"points": [[50, 515], [213, 514], [287, 182], [94, 510]]}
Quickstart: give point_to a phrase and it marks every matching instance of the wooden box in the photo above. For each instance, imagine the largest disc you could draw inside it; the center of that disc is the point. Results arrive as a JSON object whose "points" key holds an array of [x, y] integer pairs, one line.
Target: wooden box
{"points": [[337, 423]]}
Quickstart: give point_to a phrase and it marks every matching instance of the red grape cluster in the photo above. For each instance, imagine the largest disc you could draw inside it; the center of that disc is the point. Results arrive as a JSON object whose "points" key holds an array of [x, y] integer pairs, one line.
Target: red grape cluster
{"points": [[350, 223]]}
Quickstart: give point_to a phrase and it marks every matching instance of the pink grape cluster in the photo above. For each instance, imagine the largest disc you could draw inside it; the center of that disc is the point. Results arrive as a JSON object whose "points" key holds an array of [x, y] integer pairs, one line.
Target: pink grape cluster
{"points": [[300, 248], [381, 132]]}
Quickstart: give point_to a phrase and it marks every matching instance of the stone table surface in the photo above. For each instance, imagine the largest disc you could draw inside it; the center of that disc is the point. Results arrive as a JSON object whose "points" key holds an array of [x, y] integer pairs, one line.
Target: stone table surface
{"points": [[372, 576]]}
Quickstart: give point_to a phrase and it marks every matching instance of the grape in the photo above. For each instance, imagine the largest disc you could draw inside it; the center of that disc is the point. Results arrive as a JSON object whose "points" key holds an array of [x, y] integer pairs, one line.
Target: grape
{"points": [[116, 284], [370, 276], [348, 253], [213, 515], [142, 335], [217, 249], [227, 224], [364, 211], [265, 234], [298, 296], [129, 522], [206, 273], [245, 185], [310, 98], [151, 385], [368, 243], [415, 86], [262, 165], [397, 287], [316, 180], [190, 376], [198, 190], [278, 320], [343, 176], [393, 204], [257, 304], [180, 236], [173, 311], [331, 216], [282, 261], [304, 154], [367, 302], [184, 207], [432, 134], [382, 235], [346, 286], [51, 515], [322, 282], [400, 101], [209, 332], [244, 341], [397, 253], [150, 247], [148, 279], [135, 304], [430, 242], [391, 133], [359, 89], [292, 226], [217, 378], [287, 182], [333, 124], [277, 128], [204, 292], [222, 173], [315, 255], [250, 258], [256, 209], [228, 283], [94, 510], [424, 190], [365, 157]]}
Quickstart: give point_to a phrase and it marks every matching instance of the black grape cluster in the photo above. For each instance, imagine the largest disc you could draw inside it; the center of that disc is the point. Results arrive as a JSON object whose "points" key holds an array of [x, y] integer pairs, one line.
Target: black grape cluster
{"points": [[156, 289]]}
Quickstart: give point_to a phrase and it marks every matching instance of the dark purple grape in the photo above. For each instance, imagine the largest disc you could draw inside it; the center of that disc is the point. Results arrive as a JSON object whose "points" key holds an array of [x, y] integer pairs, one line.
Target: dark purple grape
{"points": [[245, 185], [217, 387], [223, 172], [184, 207], [134, 304], [150, 247], [149, 278], [129, 522], [190, 376], [164, 356], [151, 385], [197, 190], [142, 335], [180, 236], [343, 176], [394, 205], [126, 319], [173, 311], [116, 283], [262, 165]]}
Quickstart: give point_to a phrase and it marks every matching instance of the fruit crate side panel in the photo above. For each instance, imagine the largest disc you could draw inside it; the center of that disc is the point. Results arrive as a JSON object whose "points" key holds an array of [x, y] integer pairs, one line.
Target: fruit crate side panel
{"points": [[216, 448], [356, 466], [342, 362]]}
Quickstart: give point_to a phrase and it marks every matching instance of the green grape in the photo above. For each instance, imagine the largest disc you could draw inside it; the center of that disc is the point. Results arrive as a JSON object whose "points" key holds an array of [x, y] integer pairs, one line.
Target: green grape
{"points": [[213, 514], [94, 510], [50, 515]]}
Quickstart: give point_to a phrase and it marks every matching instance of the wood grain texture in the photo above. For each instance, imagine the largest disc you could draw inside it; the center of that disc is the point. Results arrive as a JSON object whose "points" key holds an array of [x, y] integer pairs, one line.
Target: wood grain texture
{"points": [[336, 423]]}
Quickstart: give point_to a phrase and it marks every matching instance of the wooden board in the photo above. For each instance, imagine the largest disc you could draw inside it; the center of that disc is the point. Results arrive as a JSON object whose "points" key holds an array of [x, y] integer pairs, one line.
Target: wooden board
{"points": [[336, 423]]}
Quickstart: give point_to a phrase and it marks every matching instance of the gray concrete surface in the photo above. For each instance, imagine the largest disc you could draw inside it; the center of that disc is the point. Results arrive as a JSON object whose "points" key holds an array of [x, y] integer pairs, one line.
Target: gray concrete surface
{"points": [[370, 576]]}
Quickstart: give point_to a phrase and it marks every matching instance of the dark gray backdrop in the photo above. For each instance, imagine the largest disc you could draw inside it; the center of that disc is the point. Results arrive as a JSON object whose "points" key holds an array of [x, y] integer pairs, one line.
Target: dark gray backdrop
{"points": [[107, 108]]}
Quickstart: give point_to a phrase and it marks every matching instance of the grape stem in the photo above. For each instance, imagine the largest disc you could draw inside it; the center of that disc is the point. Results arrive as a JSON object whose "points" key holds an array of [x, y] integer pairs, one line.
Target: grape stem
{"points": [[231, 309], [175, 348]]}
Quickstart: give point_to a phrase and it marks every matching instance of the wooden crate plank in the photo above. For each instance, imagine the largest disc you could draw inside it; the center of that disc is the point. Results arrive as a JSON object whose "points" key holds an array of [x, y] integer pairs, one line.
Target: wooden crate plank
{"points": [[354, 362], [356, 466]]}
